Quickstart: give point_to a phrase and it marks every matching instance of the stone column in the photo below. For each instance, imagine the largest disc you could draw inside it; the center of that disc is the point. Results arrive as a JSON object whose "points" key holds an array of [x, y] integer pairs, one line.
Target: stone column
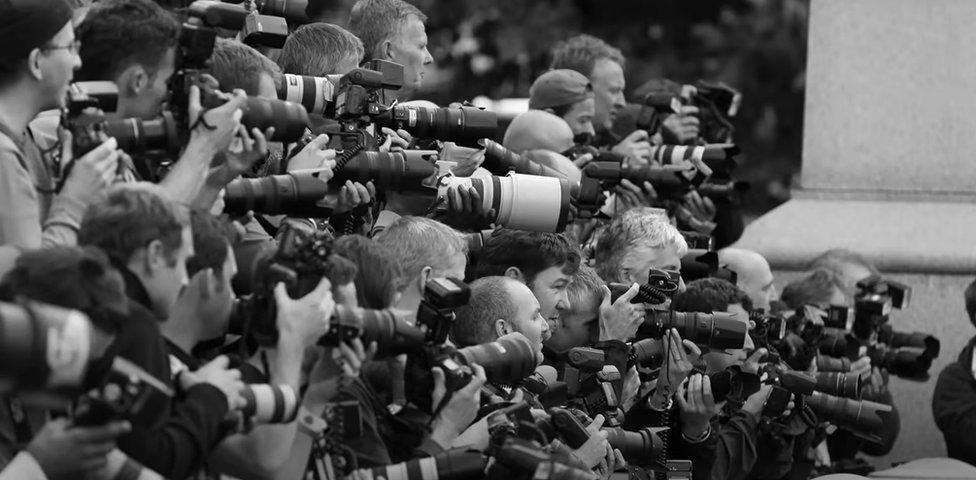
{"points": [[889, 170]]}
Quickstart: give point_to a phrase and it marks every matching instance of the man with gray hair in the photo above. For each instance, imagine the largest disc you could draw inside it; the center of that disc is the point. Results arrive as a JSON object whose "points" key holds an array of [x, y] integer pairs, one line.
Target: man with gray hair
{"points": [[427, 249], [320, 49], [393, 30], [637, 241]]}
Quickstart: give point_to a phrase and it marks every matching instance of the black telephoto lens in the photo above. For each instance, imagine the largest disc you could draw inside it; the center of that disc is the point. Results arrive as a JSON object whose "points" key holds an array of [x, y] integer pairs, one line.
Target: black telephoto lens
{"points": [[292, 195], [718, 330], [827, 363], [140, 136], [847, 385], [506, 361], [647, 353], [856, 415], [905, 362], [391, 331], [500, 160], [896, 339], [394, 171], [289, 119], [641, 447], [464, 126]]}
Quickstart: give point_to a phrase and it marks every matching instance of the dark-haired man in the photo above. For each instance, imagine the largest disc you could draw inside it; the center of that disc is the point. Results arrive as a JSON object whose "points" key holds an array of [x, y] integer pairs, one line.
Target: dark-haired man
{"points": [[954, 398], [545, 262], [568, 95]]}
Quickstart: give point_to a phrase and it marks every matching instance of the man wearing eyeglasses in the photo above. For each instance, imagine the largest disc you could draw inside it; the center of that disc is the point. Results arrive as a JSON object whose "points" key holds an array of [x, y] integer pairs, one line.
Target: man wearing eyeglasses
{"points": [[37, 62]]}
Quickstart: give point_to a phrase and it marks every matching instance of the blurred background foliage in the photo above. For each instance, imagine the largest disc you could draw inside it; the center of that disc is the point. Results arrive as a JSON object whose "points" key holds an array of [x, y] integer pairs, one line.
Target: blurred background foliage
{"points": [[496, 48]]}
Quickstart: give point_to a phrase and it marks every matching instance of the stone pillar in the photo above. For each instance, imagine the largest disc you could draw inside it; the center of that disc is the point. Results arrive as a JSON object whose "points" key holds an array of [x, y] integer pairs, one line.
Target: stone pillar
{"points": [[889, 170]]}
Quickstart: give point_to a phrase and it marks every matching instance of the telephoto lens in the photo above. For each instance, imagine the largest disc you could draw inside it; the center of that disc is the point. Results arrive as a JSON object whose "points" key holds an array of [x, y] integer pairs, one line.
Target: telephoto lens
{"points": [[524, 202], [730, 190], [270, 403], [846, 385], [664, 178], [500, 160], [289, 194], [859, 416], [521, 458], [506, 361], [464, 126], [717, 330], [641, 447], [292, 10], [316, 94], [457, 464], [390, 329], [838, 345], [43, 347], [140, 136], [289, 119], [391, 172]]}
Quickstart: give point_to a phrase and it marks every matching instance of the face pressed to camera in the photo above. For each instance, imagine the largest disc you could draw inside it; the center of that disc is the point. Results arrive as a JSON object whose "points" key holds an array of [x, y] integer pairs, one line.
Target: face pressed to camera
{"points": [[56, 64], [719, 360], [549, 287], [528, 320], [580, 117]]}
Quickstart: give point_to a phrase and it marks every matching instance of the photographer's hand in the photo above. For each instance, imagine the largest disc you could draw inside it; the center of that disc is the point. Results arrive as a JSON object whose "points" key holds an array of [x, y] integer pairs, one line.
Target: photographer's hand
{"points": [[635, 146], [620, 320], [697, 405], [240, 156], [460, 410], [630, 195], [465, 210], [354, 194], [65, 451], [92, 173], [301, 322], [700, 207], [217, 374], [594, 451], [315, 156], [395, 141], [681, 128], [676, 367], [752, 364]]}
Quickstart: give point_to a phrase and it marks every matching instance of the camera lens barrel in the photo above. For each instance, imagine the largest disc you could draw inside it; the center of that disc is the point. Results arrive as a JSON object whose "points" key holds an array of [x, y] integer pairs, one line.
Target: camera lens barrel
{"points": [[857, 415], [717, 330], [640, 447], [314, 93], [391, 330], [293, 195], [270, 403], [464, 125], [289, 119], [827, 363], [506, 361], [393, 171], [525, 202], [846, 385], [27, 331]]}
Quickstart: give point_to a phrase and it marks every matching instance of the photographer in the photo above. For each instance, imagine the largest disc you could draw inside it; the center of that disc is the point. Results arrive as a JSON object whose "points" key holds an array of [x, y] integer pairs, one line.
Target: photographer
{"points": [[753, 275], [202, 313], [742, 443], [36, 66], [394, 30], [499, 306], [80, 279], [149, 240], [320, 49], [568, 95], [955, 396], [537, 129], [134, 44]]}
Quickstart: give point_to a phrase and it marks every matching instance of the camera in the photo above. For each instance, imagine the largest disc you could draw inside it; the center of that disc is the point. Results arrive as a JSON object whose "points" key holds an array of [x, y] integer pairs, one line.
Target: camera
{"points": [[231, 15], [124, 393], [301, 260], [905, 362], [638, 447], [660, 286], [500, 161], [362, 99], [768, 327], [525, 202], [921, 340], [875, 299], [265, 403], [89, 129], [698, 264], [264, 31], [506, 361], [290, 194]]}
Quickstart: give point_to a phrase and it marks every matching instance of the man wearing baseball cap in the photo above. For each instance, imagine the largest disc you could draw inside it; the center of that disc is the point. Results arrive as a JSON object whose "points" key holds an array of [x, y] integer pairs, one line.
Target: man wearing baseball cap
{"points": [[568, 95], [37, 62]]}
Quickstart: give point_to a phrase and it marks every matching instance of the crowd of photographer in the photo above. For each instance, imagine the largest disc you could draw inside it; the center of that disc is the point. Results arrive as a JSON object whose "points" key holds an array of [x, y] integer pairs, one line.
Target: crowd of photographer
{"points": [[232, 247]]}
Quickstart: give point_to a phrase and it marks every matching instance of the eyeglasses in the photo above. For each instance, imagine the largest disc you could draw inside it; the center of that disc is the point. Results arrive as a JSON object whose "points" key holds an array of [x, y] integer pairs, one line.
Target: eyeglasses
{"points": [[72, 47]]}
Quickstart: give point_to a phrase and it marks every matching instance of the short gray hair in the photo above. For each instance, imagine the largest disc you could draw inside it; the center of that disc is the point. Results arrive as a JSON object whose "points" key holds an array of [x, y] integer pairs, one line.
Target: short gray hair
{"points": [[585, 291], [491, 299], [637, 228], [376, 21], [420, 242], [317, 48]]}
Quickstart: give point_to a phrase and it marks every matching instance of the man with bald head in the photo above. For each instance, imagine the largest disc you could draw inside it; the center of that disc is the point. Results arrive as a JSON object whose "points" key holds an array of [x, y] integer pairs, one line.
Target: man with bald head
{"points": [[538, 129], [753, 272]]}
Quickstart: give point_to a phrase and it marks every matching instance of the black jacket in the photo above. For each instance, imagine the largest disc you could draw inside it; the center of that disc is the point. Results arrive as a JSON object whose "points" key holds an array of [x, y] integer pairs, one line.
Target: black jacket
{"points": [[954, 406], [174, 437]]}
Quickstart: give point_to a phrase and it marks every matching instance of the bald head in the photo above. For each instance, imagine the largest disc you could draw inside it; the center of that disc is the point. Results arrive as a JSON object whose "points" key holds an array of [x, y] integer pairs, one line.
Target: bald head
{"points": [[538, 129], [753, 272], [556, 162]]}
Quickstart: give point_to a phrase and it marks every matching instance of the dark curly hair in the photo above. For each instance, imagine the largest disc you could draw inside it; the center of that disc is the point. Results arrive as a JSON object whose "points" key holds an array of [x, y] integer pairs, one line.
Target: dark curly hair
{"points": [[118, 33], [707, 295]]}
